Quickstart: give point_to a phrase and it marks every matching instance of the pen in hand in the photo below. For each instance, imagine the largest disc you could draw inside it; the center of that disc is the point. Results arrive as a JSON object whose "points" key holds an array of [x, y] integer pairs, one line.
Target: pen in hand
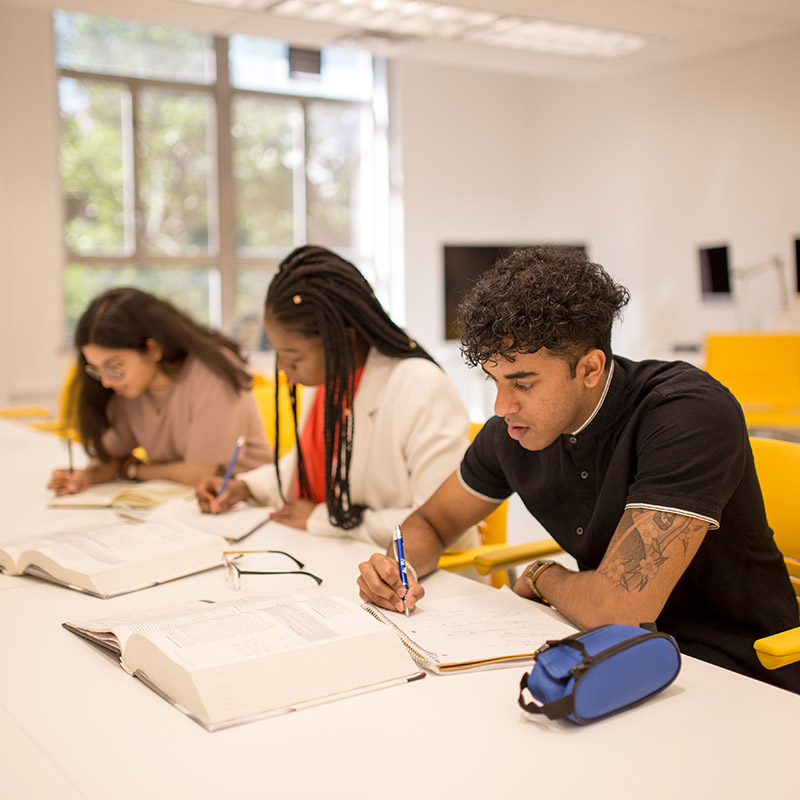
{"points": [[231, 465], [69, 455], [401, 560]]}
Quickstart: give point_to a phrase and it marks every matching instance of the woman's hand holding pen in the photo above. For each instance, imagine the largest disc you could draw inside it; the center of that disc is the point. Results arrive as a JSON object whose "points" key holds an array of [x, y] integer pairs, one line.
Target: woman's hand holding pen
{"points": [[379, 583], [213, 503], [69, 481]]}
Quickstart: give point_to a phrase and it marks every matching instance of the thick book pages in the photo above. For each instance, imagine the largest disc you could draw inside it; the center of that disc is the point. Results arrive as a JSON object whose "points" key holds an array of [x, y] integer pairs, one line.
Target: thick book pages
{"points": [[485, 630], [126, 493], [254, 656], [107, 559]]}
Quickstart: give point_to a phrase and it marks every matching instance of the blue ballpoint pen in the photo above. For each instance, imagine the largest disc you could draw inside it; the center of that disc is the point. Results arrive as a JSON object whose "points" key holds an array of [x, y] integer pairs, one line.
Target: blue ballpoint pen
{"points": [[239, 443], [401, 560]]}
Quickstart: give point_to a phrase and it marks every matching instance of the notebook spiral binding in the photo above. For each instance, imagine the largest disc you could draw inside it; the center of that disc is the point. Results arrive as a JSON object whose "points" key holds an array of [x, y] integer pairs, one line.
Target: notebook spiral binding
{"points": [[421, 656]]}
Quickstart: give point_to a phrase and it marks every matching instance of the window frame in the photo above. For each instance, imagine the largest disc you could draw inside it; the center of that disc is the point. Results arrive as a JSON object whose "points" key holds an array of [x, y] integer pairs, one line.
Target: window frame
{"points": [[225, 260]]}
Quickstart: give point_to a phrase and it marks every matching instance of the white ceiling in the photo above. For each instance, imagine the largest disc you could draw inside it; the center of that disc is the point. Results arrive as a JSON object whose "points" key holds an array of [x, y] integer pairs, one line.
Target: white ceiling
{"points": [[686, 29]]}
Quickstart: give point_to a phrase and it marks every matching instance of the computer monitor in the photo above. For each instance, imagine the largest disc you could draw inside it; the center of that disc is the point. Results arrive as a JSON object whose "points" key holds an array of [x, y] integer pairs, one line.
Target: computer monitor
{"points": [[715, 278], [463, 265]]}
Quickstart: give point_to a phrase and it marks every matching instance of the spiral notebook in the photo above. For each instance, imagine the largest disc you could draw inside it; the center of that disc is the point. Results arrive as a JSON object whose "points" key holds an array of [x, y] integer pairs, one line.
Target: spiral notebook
{"points": [[483, 630]]}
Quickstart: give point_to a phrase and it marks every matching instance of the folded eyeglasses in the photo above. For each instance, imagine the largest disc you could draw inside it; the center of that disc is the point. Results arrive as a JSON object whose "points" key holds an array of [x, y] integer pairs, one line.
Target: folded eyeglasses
{"points": [[261, 562]]}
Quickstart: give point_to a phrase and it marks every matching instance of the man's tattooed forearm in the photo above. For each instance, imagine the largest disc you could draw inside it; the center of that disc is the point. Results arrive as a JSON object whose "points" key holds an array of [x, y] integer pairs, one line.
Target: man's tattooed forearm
{"points": [[641, 549]]}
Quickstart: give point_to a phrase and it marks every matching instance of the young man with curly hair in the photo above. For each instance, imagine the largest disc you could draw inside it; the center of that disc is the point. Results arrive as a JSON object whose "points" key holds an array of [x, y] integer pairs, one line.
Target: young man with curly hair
{"points": [[642, 471]]}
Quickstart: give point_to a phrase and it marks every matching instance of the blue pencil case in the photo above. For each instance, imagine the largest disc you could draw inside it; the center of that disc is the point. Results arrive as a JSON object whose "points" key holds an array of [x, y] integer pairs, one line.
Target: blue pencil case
{"points": [[593, 674]]}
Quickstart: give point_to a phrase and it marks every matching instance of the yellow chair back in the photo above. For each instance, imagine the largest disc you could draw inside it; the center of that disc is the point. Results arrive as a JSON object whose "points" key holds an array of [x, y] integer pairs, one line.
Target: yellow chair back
{"points": [[493, 529], [264, 393], [66, 422], [778, 468], [762, 370]]}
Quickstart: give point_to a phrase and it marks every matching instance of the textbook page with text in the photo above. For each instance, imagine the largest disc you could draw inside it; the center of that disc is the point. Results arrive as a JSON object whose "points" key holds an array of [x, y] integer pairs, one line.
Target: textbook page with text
{"points": [[106, 559], [146, 494], [253, 656]]}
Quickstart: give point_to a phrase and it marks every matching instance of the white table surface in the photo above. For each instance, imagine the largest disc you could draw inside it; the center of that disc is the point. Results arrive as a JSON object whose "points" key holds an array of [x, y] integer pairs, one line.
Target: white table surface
{"points": [[74, 725]]}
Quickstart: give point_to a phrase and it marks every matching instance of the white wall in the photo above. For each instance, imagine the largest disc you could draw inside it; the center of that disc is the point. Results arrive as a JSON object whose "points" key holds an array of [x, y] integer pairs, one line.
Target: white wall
{"points": [[643, 171], [32, 357]]}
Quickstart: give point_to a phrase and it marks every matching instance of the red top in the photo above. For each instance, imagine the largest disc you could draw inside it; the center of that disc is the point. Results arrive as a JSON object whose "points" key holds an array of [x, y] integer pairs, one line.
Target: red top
{"points": [[312, 442]]}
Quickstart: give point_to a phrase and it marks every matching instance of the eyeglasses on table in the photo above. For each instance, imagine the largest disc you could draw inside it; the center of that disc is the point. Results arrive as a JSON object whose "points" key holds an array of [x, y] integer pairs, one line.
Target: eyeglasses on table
{"points": [[262, 562]]}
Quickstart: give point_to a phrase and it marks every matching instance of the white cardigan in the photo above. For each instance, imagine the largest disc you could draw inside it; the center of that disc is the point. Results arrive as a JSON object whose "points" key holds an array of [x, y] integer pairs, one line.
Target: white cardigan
{"points": [[410, 431]]}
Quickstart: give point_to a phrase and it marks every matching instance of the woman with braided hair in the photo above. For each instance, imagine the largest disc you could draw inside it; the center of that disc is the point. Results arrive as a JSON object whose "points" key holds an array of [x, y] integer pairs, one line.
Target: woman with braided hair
{"points": [[384, 427]]}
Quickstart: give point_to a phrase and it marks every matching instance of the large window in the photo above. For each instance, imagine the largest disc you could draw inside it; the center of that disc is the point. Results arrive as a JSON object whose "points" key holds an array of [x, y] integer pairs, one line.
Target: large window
{"points": [[192, 164]]}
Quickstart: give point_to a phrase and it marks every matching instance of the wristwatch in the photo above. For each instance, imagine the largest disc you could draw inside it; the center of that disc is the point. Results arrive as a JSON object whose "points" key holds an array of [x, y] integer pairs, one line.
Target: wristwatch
{"points": [[532, 574], [132, 470]]}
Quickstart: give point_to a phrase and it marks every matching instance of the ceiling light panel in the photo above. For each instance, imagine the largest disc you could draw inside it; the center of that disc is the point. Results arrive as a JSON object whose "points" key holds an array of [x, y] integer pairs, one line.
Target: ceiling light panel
{"points": [[241, 5], [404, 17], [430, 20], [556, 38]]}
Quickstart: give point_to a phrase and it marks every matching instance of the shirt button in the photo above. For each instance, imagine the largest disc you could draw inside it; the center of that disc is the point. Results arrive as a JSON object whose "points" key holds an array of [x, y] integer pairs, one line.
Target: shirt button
{"points": [[572, 440], [584, 474], [579, 531]]}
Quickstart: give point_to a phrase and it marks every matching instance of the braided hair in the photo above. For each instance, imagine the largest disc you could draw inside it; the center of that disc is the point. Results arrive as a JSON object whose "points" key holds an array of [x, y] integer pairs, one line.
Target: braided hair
{"points": [[316, 293]]}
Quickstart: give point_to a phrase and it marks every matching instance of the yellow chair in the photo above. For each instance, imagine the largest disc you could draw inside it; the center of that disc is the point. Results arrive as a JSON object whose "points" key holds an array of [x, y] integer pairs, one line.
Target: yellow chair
{"points": [[39, 418], [264, 393], [493, 535], [778, 467], [762, 370], [24, 412]]}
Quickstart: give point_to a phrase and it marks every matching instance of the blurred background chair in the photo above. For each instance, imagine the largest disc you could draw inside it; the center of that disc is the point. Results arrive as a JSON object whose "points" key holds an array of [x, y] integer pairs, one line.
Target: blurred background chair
{"points": [[493, 556], [778, 467], [762, 370], [64, 422]]}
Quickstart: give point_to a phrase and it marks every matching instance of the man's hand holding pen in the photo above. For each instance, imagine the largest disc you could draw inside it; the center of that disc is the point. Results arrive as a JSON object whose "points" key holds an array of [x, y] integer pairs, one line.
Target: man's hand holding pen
{"points": [[381, 584]]}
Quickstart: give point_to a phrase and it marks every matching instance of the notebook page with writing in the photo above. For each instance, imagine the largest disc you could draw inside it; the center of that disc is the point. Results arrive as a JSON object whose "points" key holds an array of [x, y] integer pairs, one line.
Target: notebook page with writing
{"points": [[234, 525], [484, 630]]}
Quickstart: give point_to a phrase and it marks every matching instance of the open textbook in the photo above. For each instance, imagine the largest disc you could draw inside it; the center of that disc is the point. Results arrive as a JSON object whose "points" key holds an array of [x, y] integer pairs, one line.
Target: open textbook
{"points": [[485, 630], [129, 493], [243, 659], [105, 558]]}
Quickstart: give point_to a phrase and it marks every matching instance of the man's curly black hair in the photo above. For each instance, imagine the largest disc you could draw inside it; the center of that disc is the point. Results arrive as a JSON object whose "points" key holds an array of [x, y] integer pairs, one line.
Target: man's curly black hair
{"points": [[551, 297]]}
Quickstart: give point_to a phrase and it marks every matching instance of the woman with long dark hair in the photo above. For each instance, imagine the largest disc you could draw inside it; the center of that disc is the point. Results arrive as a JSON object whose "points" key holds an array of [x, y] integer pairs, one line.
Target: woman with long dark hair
{"points": [[149, 376], [385, 427]]}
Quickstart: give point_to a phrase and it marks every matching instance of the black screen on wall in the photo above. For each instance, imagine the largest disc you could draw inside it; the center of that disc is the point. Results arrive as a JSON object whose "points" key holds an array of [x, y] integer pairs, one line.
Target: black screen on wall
{"points": [[463, 265], [714, 271], [797, 264]]}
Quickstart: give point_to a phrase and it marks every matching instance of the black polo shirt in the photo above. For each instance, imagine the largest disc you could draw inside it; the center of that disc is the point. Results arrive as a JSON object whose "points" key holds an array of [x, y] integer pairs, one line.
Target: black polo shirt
{"points": [[667, 436]]}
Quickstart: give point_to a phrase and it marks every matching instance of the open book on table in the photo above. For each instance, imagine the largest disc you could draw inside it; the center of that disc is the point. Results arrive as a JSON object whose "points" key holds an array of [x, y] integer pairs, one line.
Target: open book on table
{"points": [[128, 493], [243, 659], [484, 630], [105, 558]]}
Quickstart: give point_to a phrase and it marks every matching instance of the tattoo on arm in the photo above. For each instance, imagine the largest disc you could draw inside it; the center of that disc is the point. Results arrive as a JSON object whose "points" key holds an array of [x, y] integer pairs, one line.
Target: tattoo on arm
{"points": [[642, 545]]}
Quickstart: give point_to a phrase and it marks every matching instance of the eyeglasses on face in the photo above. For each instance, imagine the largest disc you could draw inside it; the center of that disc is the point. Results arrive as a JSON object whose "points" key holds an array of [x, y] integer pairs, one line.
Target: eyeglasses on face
{"points": [[235, 567], [114, 372]]}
